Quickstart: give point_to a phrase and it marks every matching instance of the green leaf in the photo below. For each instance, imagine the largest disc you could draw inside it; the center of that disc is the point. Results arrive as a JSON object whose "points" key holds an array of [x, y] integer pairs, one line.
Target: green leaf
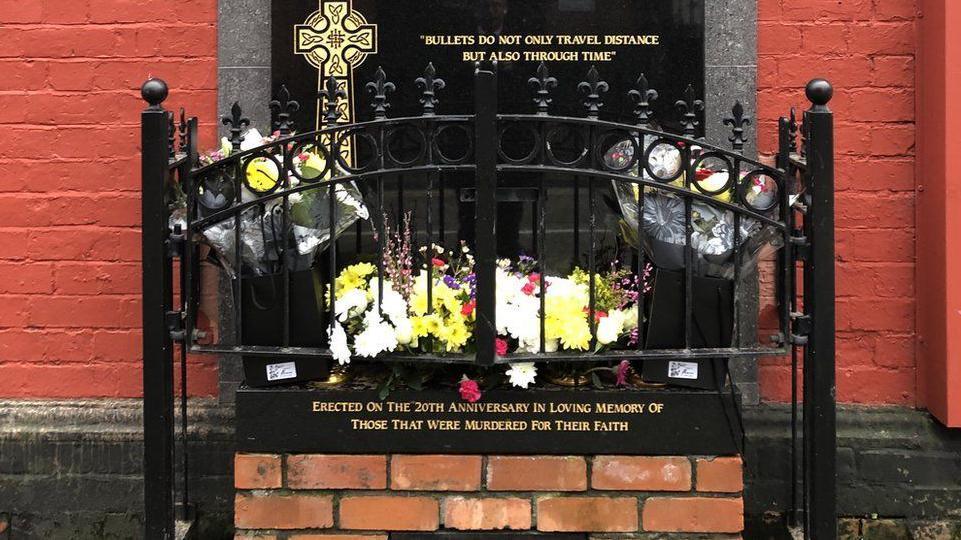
{"points": [[596, 381]]}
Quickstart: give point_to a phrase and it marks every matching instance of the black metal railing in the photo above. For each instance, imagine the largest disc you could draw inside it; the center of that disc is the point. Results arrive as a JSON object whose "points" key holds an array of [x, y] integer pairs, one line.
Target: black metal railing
{"points": [[417, 157]]}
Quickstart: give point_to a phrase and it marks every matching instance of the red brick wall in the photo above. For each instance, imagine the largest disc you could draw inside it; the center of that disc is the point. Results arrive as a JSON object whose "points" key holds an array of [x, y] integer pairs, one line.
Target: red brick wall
{"points": [[70, 182], [365, 497], [866, 48], [69, 244]]}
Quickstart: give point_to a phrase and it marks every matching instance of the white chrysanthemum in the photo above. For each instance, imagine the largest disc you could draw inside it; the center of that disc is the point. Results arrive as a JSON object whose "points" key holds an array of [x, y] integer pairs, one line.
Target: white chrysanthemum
{"points": [[522, 374], [352, 303], [393, 304], [608, 330], [377, 337], [403, 331], [338, 344]]}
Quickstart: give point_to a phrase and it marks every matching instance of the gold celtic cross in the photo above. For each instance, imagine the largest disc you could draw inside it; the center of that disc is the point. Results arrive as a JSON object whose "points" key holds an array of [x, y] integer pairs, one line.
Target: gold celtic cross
{"points": [[336, 40]]}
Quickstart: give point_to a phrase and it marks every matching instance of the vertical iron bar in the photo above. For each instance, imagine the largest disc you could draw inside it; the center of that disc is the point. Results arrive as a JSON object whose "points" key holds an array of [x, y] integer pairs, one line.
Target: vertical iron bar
{"points": [[819, 362], [577, 219], [688, 251], [787, 296], [591, 262], [485, 211], [186, 298], [332, 252], [157, 343], [286, 235], [541, 261], [735, 174]]}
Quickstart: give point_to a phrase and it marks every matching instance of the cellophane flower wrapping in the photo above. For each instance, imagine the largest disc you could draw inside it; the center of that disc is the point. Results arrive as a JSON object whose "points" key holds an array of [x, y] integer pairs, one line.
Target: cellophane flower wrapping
{"points": [[663, 225], [262, 236]]}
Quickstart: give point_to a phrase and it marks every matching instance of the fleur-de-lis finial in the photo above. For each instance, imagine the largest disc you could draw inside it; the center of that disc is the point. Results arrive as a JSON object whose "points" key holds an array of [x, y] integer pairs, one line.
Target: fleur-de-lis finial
{"points": [[737, 121], [284, 108], [236, 121], [380, 87], [792, 130], [332, 94], [182, 131], [543, 83], [430, 84], [688, 108], [644, 96], [593, 87]]}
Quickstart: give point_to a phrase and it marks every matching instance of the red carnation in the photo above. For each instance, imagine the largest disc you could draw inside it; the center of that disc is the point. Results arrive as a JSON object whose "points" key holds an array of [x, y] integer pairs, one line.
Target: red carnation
{"points": [[438, 262], [528, 288], [469, 390], [500, 346], [468, 308]]}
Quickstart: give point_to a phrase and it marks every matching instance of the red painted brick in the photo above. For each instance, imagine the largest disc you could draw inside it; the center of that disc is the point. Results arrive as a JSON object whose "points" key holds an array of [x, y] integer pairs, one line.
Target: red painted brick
{"points": [[693, 514], [871, 385], [276, 511], [629, 473], [315, 471], [435, 473], [387, 513], [536, 473], [587, 514], [720, 475], [257, 471], [464, 513]]}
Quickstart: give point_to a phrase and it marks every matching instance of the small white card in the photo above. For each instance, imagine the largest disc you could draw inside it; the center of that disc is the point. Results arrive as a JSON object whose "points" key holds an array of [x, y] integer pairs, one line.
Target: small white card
{"points": [[682, 370], [279, 372]]}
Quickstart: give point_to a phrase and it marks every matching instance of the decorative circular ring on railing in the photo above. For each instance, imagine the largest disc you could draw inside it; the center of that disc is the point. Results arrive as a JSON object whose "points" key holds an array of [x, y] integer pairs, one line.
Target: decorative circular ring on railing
{"points": [[534, 141], [555, 148], [661, 158], [262, 173], [313, 158], [356, 150], [397, 140], [759, 191], [467, 143], [726, 167], [215, 190], [616, 150]]}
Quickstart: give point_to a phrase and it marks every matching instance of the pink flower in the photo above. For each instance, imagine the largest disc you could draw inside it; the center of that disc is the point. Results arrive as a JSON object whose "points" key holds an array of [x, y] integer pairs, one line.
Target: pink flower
{"points": [[468, 309], [438, 262], [622, 370], [469, 390], [500, 346], [528, 288]]}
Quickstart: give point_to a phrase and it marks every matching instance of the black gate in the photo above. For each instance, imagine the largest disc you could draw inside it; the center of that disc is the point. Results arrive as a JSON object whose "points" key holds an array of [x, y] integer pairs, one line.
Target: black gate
{"points": [[481, 160]]}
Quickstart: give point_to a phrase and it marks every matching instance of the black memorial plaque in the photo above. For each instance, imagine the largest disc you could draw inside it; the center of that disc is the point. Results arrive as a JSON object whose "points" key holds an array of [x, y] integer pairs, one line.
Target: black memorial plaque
{"points": [[664, 39], [632, 422]]}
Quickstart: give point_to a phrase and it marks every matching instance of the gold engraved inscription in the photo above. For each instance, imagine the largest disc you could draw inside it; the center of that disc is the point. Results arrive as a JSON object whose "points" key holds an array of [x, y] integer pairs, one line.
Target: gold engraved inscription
{"points": [[548, 416]]}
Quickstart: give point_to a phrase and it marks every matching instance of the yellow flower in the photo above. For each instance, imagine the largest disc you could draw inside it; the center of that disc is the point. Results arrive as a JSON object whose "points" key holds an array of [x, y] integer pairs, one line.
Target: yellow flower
{"points": [[454, 333], [567, 321], [354, 277]]}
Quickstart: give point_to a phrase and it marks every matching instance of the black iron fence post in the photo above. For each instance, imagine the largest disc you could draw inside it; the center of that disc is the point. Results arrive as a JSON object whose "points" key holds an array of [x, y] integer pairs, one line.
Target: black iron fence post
{"points": [[819, 360], [485, 137], [158, 397]]}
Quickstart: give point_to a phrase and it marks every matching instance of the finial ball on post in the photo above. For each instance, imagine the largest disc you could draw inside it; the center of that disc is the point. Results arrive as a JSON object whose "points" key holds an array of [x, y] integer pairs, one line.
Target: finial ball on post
{"points": [[819, 92], [154, 91]]}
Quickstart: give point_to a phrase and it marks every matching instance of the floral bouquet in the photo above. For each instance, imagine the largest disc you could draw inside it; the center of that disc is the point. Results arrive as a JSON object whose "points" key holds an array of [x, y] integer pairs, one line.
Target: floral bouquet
{"points": [[663, 224], [401, 313], [262, 236]]}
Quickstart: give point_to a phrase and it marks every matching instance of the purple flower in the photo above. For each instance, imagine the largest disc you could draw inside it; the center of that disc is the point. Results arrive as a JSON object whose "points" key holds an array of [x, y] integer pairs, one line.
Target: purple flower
{"points": [[451, 282]]}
